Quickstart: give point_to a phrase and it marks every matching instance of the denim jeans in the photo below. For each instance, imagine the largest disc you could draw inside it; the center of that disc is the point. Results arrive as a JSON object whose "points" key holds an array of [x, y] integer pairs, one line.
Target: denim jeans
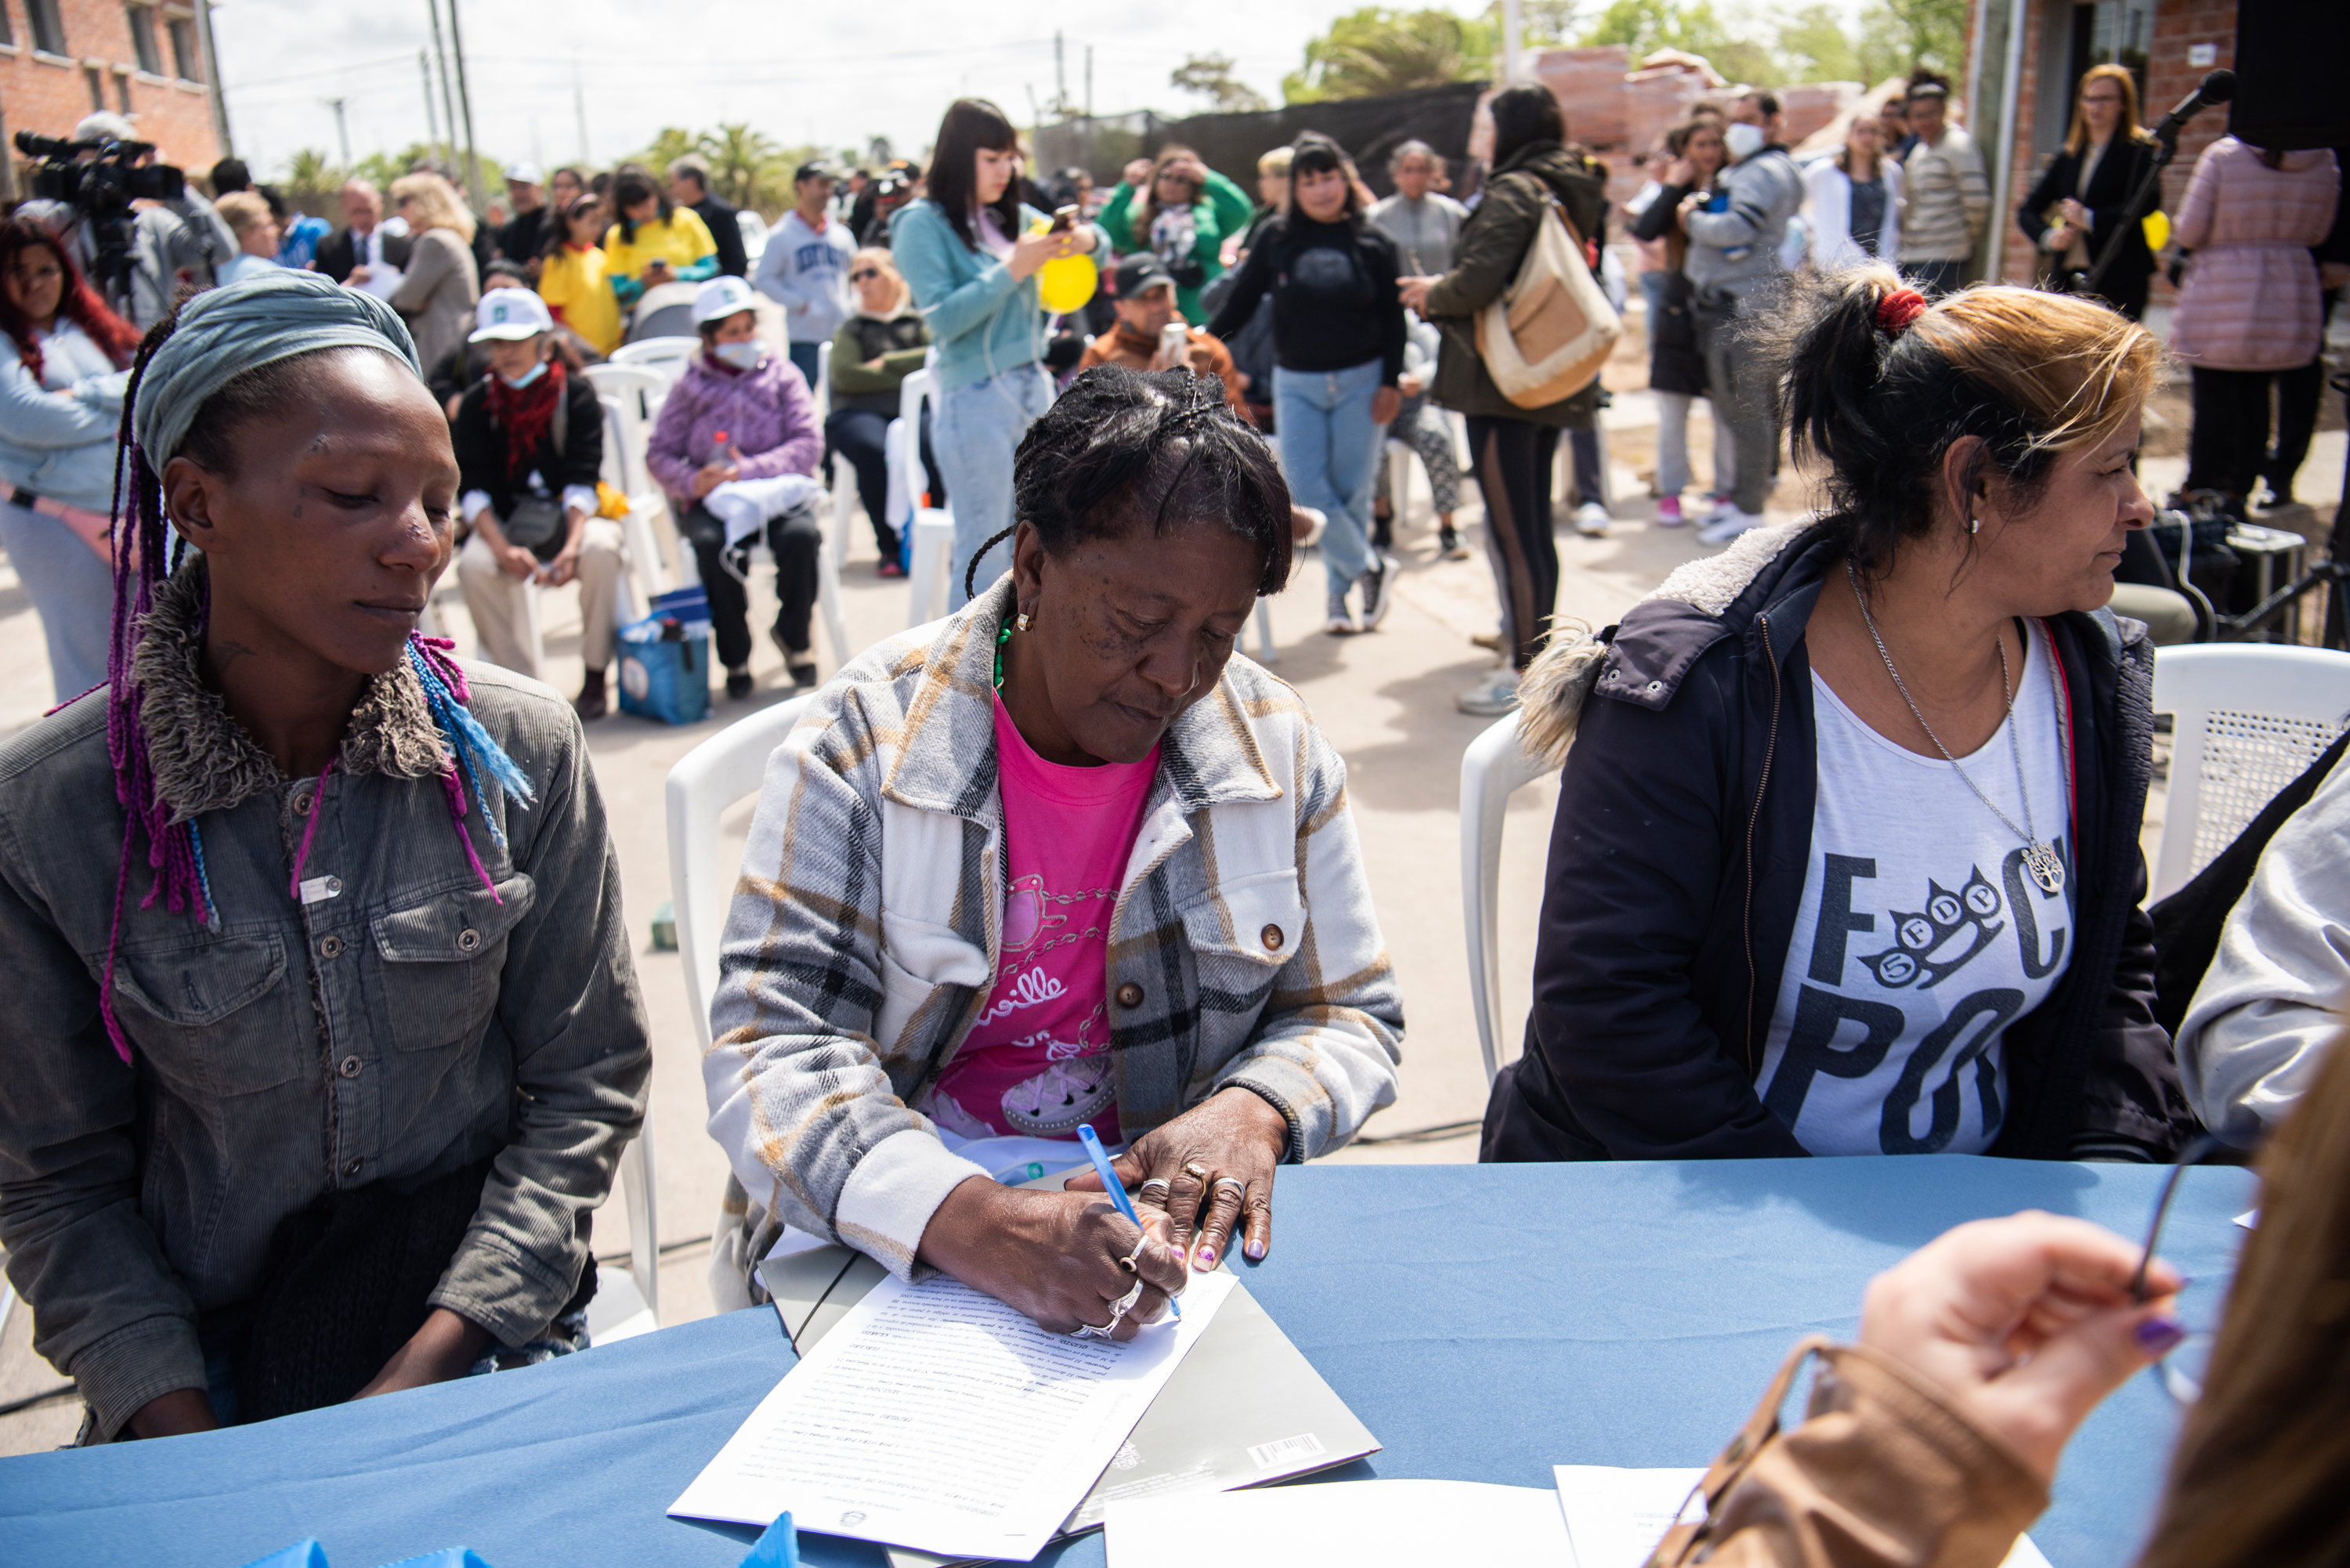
{"points": [[803, 356], [72, 589], [977, 429], [1330, 454]]}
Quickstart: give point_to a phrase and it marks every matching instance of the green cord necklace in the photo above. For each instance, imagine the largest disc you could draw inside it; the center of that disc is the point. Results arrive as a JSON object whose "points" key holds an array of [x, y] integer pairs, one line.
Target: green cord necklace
{"points": [[1001, 637]]}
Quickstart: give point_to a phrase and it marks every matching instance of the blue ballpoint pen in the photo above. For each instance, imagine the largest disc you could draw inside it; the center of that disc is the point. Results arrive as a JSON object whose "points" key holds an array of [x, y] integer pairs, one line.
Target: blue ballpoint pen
{"points": [[1116, 1189]]}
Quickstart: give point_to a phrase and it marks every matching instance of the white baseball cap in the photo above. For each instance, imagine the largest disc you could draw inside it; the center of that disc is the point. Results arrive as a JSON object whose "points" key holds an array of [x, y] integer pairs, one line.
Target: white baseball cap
{"points": [[510, 314], [721, 298], [525, 173]]}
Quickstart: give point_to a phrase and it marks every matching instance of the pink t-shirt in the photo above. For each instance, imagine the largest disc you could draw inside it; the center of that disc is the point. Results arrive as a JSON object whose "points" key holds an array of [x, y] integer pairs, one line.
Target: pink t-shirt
{"points": [[1038, 1061]]}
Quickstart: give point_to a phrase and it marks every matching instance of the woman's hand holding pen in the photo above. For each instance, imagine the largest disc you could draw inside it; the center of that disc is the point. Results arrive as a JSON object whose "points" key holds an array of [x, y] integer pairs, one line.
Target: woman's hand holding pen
{"points": [[1210, 1170], [1059, 1258]]}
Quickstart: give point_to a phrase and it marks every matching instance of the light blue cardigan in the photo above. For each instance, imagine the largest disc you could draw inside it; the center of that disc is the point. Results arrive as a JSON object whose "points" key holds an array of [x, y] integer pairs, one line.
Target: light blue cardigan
{"points": [[982, 322]]}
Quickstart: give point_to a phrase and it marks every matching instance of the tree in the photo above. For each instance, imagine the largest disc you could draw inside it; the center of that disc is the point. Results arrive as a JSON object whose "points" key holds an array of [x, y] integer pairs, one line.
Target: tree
{"points": [[1817, 49], [1211, 77], [1934, 32], [1375, 51], [1540, 22], [309, 173]]}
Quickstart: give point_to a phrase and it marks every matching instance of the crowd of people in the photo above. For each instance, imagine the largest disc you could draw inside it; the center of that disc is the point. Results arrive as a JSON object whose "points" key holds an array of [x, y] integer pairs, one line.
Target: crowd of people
{"points": [[328, 1035]]}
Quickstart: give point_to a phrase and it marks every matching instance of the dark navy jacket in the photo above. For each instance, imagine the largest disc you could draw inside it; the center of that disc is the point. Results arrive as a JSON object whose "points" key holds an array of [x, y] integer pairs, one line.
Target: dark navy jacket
{"points": [[1677, 866]]}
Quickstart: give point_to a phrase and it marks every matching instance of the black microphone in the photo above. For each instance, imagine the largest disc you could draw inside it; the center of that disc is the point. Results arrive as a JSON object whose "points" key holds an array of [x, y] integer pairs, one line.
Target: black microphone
{"points": [[2218, 87]]}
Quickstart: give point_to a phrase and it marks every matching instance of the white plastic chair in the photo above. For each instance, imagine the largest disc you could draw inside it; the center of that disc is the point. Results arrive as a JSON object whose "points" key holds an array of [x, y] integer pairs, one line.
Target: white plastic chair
{"points": [[2247, 720], [930, 559], [667, 354], [822, 390], [704, 784], [1494, 768], [627, 1301]]}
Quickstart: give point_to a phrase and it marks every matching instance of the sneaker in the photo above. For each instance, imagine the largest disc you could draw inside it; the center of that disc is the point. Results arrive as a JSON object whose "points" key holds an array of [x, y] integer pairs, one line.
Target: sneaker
{"points": [[1717, 507], [803, 674], [1449, 545], [1489, 640], [1378, 590], [738, 684], [1591, 520], [1492, 699], [890, 568], [1728, 526], [591, 702], [1342, 619], [1669, 513]]}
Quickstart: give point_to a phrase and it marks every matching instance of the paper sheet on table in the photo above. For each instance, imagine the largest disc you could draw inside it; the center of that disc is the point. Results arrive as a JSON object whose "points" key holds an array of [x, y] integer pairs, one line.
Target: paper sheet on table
{"points": [[1364, 1524], [934, 1417], [1616, 1517]]}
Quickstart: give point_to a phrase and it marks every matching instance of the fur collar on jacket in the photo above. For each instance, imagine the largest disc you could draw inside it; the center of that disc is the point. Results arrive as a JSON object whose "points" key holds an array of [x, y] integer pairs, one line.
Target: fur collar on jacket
{"points": [[202, 759], [1561, 679]]}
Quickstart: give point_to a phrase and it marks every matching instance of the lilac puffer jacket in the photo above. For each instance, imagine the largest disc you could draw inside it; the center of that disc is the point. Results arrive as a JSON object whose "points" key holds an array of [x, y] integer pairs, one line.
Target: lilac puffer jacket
{"points": [[766, 413], [2251, 302]]}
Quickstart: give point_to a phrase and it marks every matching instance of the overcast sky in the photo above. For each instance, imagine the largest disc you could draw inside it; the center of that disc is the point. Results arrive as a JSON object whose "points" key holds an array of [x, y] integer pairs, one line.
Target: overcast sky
{"points": [[831, 73]]}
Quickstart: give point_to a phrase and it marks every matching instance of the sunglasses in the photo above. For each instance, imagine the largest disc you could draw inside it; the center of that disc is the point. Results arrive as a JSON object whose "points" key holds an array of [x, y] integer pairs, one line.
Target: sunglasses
{"points": [[2182, 1369], [863, 273]]}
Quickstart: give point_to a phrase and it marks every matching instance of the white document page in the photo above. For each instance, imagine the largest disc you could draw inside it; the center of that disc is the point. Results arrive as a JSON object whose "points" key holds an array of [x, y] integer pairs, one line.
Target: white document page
{"points": [[1364, 1524], [1616, 1517], [939, 1418]]}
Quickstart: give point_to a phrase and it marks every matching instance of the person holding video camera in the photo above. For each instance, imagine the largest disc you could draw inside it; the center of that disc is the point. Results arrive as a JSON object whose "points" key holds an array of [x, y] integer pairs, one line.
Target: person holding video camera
{"points": [[136, 229], [62, 358]]}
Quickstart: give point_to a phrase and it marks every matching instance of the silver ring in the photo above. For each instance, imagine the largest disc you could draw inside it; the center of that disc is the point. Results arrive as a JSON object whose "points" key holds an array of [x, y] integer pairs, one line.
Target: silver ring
{"points": [[1127, 1263], [1161, 1183], [1232, 1182], [1094, 1331], [1120, 1308]]}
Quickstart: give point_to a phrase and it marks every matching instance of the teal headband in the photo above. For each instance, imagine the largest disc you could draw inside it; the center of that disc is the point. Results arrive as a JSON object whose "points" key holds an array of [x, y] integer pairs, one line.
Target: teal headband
{"points": [[224, 332]]}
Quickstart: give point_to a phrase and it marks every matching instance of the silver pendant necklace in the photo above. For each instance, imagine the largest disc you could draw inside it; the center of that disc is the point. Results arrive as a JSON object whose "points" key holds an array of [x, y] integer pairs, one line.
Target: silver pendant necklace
{"points": [[2040, 857]]}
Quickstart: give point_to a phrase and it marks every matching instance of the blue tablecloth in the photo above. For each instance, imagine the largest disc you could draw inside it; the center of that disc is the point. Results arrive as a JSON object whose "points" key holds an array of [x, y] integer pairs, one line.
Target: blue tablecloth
{"points": [[1485, 1321]]}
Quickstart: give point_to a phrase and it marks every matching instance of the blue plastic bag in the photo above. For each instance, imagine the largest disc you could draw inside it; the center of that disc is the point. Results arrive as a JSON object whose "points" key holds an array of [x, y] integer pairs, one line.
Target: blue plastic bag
{"points": [[665, 659]]}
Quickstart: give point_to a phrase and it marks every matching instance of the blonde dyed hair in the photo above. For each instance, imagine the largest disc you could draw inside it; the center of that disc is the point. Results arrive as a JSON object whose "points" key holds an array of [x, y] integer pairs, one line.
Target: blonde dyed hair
{"points": [[2032, 376], [433, 205], [242, 212]]}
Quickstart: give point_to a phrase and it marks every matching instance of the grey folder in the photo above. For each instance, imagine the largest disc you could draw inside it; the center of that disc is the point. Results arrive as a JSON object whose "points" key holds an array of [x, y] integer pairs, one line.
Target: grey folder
{"points": [[1242, 1409]]}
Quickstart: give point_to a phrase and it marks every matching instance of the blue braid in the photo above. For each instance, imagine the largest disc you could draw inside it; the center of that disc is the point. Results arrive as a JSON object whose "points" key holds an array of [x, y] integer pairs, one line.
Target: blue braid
{"points": [[466, 735], [204, 879]]}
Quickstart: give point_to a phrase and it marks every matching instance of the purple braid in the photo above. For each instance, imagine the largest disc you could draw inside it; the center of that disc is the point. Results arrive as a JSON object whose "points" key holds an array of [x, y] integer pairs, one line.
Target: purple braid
{"points": [[140, 538]]}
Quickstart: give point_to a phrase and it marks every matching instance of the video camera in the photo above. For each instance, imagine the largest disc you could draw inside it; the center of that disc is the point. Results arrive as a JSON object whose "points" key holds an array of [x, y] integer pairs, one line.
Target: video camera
{"points": [[100, 191]]}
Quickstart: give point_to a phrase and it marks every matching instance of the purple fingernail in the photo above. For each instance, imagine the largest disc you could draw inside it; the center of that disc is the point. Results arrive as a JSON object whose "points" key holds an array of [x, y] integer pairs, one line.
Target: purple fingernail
{"points": [[2160, 1336], [1207, 1257]]}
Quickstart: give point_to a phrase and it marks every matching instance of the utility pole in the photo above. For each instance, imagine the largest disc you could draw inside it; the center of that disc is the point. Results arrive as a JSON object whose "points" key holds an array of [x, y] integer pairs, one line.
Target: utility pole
{"points": [[1090, 83], [579, 109], [465, 98], [1513, 32], [342, 130], [1060, 79], [211, 76], [448, 97], [432, 116]]}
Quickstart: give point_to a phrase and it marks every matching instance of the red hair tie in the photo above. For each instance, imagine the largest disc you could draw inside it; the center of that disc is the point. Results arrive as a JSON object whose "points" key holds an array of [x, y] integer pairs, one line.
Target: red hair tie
{"points": [[1896, 310]]}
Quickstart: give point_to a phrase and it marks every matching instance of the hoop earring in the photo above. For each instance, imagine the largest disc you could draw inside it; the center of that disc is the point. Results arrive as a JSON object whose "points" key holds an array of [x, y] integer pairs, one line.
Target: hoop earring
{"points": [[1021, 623], [1974, 524]]}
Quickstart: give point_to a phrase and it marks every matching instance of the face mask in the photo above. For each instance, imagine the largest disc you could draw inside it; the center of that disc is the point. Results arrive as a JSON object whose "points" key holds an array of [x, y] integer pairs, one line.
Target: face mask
{"points": [[532, 374], [1744, 142], [745, 356]]}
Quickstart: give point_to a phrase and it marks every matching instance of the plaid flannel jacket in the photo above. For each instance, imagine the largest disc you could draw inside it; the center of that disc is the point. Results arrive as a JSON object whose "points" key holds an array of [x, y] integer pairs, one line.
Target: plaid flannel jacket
{"points": [[865, 931]]}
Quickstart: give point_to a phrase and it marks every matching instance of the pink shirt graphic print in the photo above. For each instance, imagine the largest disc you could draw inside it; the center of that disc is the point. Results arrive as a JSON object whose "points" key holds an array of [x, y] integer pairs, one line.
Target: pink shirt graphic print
{"points": [[1038, 1061]]}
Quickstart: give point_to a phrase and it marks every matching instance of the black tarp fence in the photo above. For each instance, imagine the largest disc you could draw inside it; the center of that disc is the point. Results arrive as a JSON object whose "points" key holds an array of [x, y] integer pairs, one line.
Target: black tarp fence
{"points": [[1369, 127]]}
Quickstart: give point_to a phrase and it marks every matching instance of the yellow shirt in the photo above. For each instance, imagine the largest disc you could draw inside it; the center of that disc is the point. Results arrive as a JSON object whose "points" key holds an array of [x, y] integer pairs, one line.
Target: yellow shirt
{"points": [[681, 241], [572, 284]]}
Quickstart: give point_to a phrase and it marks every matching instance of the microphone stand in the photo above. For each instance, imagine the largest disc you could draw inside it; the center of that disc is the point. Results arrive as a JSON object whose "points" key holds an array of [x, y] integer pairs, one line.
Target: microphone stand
{"points": [[2161, 151]]}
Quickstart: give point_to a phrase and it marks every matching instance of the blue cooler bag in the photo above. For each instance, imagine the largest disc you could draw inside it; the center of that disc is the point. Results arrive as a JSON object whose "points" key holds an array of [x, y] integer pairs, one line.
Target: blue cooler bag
{"points": [[665, 659]]}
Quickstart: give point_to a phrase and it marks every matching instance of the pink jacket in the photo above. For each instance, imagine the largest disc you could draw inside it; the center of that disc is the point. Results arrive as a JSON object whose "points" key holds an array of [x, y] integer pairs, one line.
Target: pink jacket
{"points": [[2251, 299], [766, 412]]}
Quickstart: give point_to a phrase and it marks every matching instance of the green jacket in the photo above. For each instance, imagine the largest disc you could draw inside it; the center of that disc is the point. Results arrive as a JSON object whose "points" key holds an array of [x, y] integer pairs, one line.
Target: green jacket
{"points": [[1485, 262], [1222, 209]]}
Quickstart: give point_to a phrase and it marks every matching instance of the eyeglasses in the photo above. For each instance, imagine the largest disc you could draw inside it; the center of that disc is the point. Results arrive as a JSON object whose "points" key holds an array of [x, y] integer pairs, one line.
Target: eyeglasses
{"points": [[2182, 1369], [863, 273], [2107, 98]]}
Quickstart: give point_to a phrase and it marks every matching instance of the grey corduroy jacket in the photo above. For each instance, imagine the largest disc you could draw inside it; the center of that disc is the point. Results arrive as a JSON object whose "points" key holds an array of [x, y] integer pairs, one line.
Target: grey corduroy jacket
{"points": [[867, 923], [402, 1027]]}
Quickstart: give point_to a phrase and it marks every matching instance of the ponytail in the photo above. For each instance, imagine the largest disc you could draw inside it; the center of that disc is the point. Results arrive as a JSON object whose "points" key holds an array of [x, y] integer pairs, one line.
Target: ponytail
{"points": [[1879, 384]]}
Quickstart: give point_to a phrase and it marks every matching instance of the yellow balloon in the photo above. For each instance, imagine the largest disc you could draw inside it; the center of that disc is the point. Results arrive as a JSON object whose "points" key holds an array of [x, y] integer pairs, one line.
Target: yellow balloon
{"points": [[2157, 229], [1066, 283]]}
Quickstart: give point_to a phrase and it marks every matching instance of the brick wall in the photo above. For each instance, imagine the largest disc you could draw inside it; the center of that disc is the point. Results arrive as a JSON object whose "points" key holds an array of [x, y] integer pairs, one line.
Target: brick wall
{"points": [[48, 94], [2178, 26]]}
